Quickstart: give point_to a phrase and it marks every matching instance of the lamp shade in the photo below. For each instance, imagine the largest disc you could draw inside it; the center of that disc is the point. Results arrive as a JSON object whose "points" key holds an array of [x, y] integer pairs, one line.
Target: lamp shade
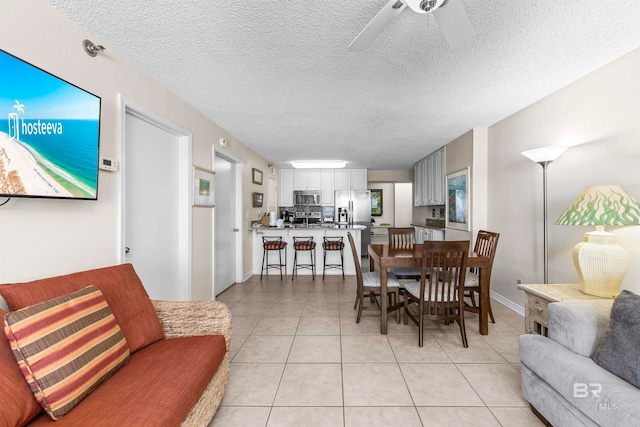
{"points": [[545, 154], [602, 205]]}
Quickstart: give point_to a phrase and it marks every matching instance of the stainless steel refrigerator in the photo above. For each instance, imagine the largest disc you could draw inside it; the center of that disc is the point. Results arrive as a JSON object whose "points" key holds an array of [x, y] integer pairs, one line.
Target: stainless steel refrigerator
{"points": [[358, 206]]}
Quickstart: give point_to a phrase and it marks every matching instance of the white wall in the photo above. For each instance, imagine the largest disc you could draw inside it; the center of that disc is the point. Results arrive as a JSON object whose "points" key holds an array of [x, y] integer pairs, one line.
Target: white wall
{"points": [[41, 238], [403, 203], [388, 203], [601, 113]]}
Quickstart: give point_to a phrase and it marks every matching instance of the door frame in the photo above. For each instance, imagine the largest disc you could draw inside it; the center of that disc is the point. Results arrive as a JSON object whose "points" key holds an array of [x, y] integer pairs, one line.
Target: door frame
{"points": [[238, 166], [128, 106]]}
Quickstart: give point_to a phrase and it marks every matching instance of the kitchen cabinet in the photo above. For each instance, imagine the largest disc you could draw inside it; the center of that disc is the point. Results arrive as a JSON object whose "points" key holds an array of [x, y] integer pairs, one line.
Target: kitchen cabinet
{"points": [[285, 187], [429, 180], [424, 234], [350, 179], [307, 179], [328, 186]]}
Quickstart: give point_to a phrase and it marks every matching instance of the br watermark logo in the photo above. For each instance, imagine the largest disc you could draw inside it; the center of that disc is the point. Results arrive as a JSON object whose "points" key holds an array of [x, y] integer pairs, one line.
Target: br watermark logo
{"points": [[586, 390], [18, 126]]}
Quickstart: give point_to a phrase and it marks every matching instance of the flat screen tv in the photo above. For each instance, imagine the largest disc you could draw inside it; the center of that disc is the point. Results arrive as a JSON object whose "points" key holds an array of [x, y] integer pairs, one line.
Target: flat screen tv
{"points": [[49, 134]]}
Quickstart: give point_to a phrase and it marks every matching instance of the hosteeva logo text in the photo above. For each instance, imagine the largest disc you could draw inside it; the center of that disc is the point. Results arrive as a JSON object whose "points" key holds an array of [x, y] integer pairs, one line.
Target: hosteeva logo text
{"points": [[34, 127]]}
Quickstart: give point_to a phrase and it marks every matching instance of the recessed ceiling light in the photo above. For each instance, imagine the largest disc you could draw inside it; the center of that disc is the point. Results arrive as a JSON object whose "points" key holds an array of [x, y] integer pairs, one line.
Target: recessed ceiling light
{"points": [[327, 164]]}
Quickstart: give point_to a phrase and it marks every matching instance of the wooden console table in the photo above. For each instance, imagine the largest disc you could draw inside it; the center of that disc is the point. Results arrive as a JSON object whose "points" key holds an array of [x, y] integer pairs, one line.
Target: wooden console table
{"points": [[538, 297]]}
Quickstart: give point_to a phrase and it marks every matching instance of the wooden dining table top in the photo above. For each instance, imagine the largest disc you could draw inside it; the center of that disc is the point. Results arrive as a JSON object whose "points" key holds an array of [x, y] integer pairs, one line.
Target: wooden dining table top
{"points": [[387, 256]]}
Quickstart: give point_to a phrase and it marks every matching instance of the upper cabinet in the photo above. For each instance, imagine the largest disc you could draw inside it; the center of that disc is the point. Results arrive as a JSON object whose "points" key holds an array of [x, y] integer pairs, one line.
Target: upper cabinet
{"points": [[285, 187], [325, 180], [351, 179], [429, 180], [307, 179], [328, 186]]}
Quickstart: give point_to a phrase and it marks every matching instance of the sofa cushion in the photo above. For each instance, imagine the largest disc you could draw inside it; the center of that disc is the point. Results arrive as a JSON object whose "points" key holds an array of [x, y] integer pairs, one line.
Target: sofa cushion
{"points": [[66, 347], [17, 404], [596, 392], [618, 349], [121, 287], [579, 325], [157, 387]]}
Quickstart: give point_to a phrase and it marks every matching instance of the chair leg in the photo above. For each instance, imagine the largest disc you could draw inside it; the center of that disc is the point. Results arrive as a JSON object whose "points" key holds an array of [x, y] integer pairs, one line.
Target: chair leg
{"points": [[264, 253], [473, 298], [463, 331], [342, 262], [397, 298], [420, 328], [295, 265], [406, 310], [361, 300], [491, 313]]}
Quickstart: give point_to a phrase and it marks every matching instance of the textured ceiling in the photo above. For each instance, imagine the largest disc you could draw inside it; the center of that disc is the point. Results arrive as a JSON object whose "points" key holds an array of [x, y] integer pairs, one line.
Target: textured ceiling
{"points": [[278, 76]]}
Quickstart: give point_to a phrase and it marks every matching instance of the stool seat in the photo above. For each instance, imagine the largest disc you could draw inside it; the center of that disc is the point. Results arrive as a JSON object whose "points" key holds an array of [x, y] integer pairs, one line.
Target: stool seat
{"points": [[274, 246], [333, 244], [304, 244]]}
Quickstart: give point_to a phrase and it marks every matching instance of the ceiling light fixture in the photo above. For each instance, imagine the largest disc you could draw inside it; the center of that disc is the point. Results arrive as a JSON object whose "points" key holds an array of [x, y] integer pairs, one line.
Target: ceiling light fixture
{"points": [[325, 164]]}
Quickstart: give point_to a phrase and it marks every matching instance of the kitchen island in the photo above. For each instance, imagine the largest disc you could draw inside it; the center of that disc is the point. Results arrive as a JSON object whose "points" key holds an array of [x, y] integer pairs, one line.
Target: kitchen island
{"points": [[317, 232]]}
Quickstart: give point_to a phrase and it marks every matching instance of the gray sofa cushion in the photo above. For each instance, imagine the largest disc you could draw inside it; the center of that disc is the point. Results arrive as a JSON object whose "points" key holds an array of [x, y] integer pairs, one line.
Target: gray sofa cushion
{"points": [[618, 350], [579, 325], [600, 395]]}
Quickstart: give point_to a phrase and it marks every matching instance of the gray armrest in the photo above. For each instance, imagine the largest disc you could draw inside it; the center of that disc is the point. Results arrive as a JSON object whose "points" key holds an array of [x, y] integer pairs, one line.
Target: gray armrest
{"points": [[579, 325]]}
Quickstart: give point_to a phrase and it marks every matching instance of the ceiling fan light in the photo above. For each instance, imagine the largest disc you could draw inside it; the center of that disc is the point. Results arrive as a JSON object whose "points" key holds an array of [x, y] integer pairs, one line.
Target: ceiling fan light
{"points": [[424, 6]]}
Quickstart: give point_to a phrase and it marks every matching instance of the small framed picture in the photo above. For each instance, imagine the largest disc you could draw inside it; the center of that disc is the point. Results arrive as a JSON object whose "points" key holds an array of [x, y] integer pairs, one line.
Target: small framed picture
{"points": [[204, 189], [376, 202], [257, 200], [256, 176]]}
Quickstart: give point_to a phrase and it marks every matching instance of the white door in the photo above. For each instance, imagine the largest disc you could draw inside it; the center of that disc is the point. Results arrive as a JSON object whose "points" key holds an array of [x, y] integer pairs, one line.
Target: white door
{"points": [[225, 228], [155, 201]]}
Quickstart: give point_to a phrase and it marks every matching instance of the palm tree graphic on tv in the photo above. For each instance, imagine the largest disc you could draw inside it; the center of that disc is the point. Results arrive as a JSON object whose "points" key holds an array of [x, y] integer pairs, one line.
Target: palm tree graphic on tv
{"points": [[14, 128]]}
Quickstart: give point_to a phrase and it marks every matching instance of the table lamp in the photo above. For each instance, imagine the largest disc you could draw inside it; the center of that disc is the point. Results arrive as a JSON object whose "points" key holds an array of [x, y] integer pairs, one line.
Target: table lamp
{"points": [[600, 262]]}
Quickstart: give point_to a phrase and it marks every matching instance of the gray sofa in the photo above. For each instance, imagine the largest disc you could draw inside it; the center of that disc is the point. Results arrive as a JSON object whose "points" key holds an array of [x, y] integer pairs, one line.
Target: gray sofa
{"points": [[563, 383]]}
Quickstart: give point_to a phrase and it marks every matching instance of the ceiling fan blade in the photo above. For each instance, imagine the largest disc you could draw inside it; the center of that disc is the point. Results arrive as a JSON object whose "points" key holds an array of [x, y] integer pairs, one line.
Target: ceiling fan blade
{"points": [[454, 24], [377, 25]]}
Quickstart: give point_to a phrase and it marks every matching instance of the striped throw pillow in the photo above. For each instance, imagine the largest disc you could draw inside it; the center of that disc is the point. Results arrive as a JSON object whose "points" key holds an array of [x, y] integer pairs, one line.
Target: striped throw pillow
{"points": [[66, 347]]}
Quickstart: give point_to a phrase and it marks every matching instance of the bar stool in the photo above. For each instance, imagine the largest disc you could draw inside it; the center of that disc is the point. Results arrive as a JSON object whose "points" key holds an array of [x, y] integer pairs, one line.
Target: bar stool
{"points": [[273, 244], [333, 244], [304, 244]]}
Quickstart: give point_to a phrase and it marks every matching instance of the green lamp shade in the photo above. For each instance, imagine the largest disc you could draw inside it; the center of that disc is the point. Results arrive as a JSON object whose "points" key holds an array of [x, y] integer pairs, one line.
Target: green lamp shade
{"points": [[602, 205]]}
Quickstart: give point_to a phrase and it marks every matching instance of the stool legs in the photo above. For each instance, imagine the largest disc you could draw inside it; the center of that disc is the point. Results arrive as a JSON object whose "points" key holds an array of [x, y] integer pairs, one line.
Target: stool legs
{"points": [[326, 266], [311, 266], [265, 261]]}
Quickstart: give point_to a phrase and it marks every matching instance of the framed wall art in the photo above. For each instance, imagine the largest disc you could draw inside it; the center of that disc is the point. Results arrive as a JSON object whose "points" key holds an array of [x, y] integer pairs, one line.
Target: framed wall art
{"points": [[256, 176], [458, 200], [257, 200], [376, 202], [204, 187]]}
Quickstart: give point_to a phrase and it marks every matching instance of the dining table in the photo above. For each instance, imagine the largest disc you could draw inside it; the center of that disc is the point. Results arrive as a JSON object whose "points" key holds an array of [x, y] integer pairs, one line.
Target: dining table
{"points": [[388, 257]]}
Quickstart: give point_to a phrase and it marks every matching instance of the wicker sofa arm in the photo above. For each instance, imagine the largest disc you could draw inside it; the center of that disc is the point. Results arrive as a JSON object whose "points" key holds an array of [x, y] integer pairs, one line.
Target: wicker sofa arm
{"points": [[188, 318]]}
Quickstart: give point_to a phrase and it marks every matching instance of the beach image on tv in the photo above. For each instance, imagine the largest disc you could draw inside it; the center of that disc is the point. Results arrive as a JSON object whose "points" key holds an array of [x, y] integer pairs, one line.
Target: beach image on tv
{"points": [[49, 134]]}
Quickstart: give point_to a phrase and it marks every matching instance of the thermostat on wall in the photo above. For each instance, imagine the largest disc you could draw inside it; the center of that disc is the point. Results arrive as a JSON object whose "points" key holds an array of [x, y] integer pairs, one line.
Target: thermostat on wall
{"points": [[108, 164]]}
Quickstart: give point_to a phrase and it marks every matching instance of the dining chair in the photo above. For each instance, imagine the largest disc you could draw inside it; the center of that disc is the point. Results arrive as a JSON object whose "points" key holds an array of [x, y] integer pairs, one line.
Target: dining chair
{"points": [[439, 296], [403, 238], [486, 244], [369, 282]]}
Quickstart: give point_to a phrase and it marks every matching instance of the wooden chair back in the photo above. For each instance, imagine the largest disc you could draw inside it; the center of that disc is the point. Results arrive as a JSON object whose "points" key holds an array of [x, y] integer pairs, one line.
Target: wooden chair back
{"points": [[486, 244], [356, 262], [402, 237]]}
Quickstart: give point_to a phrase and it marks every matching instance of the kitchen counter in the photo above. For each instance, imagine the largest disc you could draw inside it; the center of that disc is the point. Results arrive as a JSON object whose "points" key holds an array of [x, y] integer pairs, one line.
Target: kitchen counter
{"points": [[317, 232], [434, 226]]}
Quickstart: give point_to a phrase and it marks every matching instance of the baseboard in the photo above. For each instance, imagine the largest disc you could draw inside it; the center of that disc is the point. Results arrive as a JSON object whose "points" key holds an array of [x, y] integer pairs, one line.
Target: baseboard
{"points": [[247, 276], [512, 305]]}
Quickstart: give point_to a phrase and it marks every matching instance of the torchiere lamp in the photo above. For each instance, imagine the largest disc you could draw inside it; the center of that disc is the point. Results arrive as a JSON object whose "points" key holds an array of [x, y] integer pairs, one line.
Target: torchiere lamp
{"points": [[544, 156], [600, 262]]}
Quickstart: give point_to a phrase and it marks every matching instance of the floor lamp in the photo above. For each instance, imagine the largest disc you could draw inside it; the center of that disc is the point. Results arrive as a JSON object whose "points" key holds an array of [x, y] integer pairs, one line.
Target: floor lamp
{"points": [[545, 156]]}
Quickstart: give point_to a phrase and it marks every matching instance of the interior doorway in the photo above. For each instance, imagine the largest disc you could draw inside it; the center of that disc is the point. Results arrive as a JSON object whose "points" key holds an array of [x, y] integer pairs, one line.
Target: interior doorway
{"points": [[155, 219], [227, 251]]}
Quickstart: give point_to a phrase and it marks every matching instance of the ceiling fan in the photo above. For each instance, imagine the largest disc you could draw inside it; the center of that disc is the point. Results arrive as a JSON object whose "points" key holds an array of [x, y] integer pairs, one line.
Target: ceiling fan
{"points": [[449, 14]]}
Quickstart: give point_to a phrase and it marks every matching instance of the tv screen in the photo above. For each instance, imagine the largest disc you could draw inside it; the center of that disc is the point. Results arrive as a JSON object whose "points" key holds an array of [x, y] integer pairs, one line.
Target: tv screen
{"points": [[49, 134]]}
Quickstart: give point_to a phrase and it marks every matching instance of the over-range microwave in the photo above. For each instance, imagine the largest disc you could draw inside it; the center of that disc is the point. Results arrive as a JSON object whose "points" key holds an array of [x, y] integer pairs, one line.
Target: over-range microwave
{"points": [[308, 197]]}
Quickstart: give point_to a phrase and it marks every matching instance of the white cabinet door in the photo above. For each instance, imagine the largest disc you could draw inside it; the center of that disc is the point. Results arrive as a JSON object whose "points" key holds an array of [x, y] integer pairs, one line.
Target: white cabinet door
{"points": [[300, 178], [439, 177], [328, 187], [343, 179], [314, 179], [285, 187], [427, 196], [358, 178], [437, 235]]}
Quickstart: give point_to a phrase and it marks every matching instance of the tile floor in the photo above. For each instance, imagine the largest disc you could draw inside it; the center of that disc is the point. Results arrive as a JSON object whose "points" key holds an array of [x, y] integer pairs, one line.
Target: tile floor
{"points": [[298, 358]]}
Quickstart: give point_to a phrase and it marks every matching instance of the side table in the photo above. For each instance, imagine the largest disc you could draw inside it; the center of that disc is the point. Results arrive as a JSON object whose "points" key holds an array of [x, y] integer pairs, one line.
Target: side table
{"points": [[539, 296]]}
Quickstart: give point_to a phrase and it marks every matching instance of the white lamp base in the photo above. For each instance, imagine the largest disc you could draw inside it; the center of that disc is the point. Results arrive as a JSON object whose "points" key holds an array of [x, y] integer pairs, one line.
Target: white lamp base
{"points": [[601, 264]]}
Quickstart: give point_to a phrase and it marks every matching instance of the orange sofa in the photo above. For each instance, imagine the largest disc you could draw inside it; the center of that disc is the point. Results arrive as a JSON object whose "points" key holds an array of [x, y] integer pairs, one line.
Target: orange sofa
{"points": [[178, 368]]}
